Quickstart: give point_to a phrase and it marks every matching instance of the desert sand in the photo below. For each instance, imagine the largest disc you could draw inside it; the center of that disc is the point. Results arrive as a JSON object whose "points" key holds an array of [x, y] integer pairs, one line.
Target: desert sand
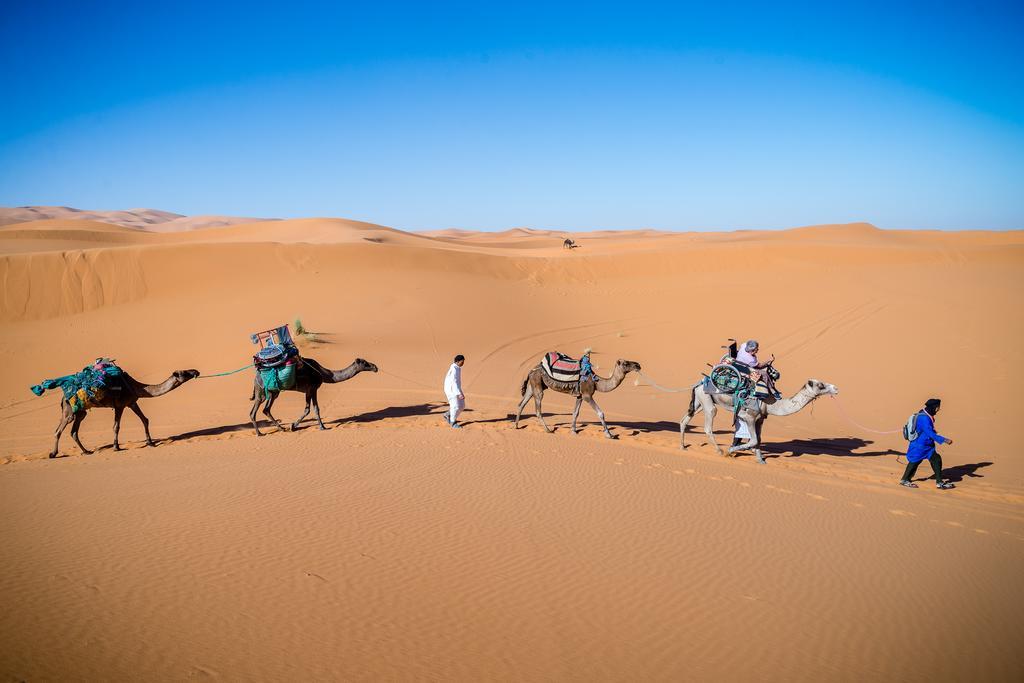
{"points": [[392, 547]]}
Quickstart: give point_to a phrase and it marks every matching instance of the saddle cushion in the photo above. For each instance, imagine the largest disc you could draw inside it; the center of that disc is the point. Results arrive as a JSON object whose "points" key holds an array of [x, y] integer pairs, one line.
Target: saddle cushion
{"points": [[561, 367], [275, 355]]}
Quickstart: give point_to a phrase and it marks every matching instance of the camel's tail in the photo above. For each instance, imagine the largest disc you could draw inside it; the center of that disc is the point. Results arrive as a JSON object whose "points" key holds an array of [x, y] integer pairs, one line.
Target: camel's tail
{"points": [[522, 391], [693, 401]]}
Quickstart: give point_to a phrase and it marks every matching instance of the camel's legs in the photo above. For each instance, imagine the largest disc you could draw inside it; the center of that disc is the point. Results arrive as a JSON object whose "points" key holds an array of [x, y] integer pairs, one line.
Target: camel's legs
{"points": [[576, 412], [79, 416], [710, 410], [600, 414], [757, 451], [258, 396], [754, 438], [144, 420], [522, 404], [537, 396], [309, 400], [65, 419], [316, 411], [271, 397], [685, 421], [118, 410]]}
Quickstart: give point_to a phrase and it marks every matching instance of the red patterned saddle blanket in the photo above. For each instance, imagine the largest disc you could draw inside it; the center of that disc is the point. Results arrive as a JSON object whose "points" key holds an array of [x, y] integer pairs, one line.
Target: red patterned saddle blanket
{"points": [[561, 367]]}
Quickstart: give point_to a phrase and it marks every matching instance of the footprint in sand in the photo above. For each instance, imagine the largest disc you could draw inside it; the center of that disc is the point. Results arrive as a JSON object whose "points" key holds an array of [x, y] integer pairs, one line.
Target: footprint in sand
{"points": [[744, 484], [677, 472], [714, 478], [815, 496], [957, 525], [902, 513], [690, 471], [203, 672], [981, 531]]}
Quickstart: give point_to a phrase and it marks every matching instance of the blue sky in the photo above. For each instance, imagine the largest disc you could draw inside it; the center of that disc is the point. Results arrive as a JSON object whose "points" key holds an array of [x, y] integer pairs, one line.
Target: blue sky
{"points": [[488, 116]]}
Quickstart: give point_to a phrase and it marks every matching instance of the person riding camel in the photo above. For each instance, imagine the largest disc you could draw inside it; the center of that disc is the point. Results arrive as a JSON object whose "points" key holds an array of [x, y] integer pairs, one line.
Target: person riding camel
{"points": [[586, 368], [747, 355]]}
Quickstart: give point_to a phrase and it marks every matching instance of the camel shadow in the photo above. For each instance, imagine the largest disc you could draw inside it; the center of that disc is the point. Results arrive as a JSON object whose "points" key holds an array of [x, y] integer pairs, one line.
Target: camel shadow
{"points": [[662, 426], [838, 447], [419, 409], [957, 473], [208, 431], [511, 417]]}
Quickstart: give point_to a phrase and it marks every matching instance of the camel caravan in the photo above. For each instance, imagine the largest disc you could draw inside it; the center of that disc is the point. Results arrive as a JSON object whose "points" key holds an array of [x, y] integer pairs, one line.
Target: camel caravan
{"points": [[738, 382]]}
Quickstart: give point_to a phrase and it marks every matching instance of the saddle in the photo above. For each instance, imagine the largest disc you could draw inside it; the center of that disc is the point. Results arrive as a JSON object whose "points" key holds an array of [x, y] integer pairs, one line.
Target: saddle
{"points": [[85, 389], [276, 347], [561, 367], [737, 378], [277, 358], [274, 355]]}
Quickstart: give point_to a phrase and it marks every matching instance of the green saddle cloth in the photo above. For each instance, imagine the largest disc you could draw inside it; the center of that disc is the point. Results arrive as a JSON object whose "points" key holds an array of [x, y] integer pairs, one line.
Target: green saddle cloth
{"points": [[278, 379]]}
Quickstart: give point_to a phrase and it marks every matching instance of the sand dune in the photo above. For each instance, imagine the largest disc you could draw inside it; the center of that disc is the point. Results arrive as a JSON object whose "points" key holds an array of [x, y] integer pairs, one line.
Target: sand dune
{"points": [[392, 547], [143, 219]]}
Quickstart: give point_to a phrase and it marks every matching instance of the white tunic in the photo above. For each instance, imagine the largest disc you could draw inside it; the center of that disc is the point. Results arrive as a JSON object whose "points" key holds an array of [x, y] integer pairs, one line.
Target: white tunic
{"points": [[453, 382]]}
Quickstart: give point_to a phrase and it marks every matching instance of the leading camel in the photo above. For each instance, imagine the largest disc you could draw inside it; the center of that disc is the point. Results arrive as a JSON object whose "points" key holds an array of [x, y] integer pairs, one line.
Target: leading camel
{"points": [[752, 413], [309, 376], [127, 396], [538, 380]]}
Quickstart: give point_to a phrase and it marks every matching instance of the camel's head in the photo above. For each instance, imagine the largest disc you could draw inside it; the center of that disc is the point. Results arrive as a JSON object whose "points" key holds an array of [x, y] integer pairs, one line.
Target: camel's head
{"points": [[365, 365], [628, 366], [185, 375], [819, 388]]}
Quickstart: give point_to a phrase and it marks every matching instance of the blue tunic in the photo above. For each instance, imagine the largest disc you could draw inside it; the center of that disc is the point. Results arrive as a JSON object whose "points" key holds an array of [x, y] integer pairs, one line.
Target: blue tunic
{"points": [[923, 446]]}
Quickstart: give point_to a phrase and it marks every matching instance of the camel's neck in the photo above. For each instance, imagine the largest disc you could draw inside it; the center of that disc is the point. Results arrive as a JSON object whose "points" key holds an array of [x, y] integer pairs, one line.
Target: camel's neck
{"points": [[611, 383], [344, 374], [793, 404], [154, 390]]}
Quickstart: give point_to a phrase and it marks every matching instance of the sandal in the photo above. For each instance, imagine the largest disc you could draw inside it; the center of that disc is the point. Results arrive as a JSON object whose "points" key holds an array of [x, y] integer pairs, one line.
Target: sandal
{"points": [[909, 484]]}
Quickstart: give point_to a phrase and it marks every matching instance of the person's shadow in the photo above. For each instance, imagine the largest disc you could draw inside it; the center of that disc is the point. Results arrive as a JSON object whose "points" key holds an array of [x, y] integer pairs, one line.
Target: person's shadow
{"points": [[958, 472]]}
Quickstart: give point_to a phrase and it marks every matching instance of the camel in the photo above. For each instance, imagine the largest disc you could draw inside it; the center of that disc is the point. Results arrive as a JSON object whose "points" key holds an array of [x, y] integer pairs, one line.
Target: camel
{"points": [[309, 376], [127, 397], [753, 413], [537, 380], [569, 244]]}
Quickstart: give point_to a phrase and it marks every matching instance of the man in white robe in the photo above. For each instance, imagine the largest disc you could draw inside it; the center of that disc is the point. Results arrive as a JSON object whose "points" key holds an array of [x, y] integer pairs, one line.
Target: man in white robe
{"points": [[453, 391]]}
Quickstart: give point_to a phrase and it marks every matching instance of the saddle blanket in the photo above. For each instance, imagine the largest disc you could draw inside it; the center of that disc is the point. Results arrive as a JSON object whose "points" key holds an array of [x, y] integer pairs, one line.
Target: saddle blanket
{"points": [[84, 389], [280, 378], [561, 367]]}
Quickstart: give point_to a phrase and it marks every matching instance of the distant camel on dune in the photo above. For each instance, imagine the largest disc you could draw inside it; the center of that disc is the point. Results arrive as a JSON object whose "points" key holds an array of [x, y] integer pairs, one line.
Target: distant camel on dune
{"points": [[569, 244], [127, 396], [752, 414], [538, 380], [309, 376]]}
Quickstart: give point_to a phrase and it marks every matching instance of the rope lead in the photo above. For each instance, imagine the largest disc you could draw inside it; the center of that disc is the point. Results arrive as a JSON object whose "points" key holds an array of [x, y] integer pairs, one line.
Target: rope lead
{"points": [[224, 374]]}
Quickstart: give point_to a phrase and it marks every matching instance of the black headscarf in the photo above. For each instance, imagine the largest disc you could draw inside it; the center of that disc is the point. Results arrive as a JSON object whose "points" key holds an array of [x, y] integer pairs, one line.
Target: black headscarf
{"points": [[931, 406]]}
